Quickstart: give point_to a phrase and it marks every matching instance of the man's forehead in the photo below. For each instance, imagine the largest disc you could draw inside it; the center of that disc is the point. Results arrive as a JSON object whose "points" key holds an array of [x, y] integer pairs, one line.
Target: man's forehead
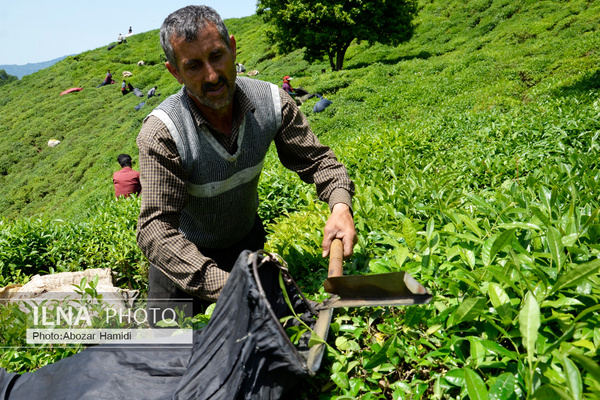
{"points": [[209, 28]]}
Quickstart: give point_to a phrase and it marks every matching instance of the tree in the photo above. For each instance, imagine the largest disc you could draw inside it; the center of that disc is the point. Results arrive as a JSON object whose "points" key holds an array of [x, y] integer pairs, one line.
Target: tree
{"points": [[6, 78], [328, 27]]}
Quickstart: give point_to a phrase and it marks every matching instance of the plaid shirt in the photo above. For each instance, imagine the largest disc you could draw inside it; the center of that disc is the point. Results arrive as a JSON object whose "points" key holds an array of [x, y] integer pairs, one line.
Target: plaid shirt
{"points": [[165, 195]]}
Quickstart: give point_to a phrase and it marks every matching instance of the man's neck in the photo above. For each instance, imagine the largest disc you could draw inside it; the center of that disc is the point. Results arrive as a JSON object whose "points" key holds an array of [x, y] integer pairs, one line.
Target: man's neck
{"points": [[221, 119]]}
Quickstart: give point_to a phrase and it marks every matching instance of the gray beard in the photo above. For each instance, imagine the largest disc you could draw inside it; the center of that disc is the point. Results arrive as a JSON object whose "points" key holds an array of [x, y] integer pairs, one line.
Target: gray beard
{"points": [[215, 105]]}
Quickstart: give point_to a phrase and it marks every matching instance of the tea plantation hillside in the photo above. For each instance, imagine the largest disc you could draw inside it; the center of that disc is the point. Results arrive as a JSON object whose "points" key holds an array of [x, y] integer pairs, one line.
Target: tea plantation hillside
{"points": [[463, 56], [474, 148]]}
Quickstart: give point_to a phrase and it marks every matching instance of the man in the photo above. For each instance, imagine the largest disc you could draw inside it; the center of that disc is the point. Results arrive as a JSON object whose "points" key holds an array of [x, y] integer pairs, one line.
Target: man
{"points": [[107, 79], [201, 153], [126, 180]]}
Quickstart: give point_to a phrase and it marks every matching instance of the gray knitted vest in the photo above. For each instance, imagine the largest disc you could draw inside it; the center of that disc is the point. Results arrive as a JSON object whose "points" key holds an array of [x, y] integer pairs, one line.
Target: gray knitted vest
{"points": [[223, 187]]}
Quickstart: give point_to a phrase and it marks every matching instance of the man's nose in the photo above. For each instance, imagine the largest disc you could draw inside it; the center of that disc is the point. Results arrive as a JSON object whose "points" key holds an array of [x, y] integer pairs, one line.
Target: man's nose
{"points": [[212, 75]]}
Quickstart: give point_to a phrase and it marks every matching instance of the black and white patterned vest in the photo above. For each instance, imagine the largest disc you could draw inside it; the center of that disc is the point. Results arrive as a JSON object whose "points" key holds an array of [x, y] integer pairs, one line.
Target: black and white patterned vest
{"points": [[223, 187]]}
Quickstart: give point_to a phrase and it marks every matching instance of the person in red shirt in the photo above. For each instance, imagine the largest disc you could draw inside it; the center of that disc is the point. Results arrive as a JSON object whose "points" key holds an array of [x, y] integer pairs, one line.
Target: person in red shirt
{"points": [[126, 180]]}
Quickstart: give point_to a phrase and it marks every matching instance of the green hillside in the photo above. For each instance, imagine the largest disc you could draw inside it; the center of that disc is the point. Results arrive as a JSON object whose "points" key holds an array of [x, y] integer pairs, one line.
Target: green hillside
{"points": [[464, 57], [474, 148]]}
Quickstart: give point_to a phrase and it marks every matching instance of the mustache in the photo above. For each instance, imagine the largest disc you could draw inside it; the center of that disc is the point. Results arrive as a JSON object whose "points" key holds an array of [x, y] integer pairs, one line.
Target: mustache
{"points": [[209, 86]]}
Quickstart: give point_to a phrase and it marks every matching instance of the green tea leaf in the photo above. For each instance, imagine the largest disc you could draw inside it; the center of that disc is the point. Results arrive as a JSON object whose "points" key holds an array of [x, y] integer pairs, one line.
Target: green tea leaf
{"points": [[504, 239], [413, 316], [555, 244], [541, 216], [480, 202], [477, 351], [591, 219], [468, 256], [486, 249], [456, 377], [546, 197], [520, 225], [475, 385], [529, 324], [381, 356], [471, 224], [569, 240], [576, 275], [498, 296], [400, 255], [573, 378], [504, 388], [590, 365], [497, 349], [430, 229], [341, 379], [500, 300], [468, 310], [409, 232], [549, 391]]}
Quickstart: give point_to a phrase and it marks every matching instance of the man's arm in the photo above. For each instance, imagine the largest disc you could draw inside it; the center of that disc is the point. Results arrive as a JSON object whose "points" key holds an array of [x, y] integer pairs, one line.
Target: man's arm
{"points": [[163, 180], [300, 150]]}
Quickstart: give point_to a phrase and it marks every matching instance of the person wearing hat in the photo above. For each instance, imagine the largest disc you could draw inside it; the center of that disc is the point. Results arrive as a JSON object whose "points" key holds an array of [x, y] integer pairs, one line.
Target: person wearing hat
{"points": [[286, 85]]}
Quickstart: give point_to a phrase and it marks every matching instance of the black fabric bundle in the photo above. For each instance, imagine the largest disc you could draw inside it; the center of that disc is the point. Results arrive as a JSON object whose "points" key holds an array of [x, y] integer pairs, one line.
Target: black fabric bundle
{"points": [[243, 353]]}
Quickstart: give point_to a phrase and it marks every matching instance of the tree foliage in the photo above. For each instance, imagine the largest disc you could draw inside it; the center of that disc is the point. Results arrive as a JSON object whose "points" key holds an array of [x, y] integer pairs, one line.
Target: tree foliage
{"points": [[328, 27], [6, 78]]}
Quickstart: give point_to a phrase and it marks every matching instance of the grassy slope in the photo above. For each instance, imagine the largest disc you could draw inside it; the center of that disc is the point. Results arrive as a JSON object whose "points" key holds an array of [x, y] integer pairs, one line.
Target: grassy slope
{"points": [[464, 56]]}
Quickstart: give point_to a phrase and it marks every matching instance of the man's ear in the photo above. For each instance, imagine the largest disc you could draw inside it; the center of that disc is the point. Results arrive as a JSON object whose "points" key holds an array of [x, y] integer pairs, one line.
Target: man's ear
{"points": [[174, 72], [232, 46]]}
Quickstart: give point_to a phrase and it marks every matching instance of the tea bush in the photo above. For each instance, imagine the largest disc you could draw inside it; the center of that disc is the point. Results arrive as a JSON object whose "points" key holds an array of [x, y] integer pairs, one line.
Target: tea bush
{"points": [[104, 239], [474, 150]]}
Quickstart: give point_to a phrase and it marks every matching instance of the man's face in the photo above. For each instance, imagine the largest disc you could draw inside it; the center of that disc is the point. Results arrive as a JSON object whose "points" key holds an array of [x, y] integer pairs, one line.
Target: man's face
{"points": [[207, 68]]}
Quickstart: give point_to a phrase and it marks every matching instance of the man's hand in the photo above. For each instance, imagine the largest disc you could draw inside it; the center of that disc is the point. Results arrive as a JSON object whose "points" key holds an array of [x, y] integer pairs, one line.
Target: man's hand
{"points": [[340, 225]]}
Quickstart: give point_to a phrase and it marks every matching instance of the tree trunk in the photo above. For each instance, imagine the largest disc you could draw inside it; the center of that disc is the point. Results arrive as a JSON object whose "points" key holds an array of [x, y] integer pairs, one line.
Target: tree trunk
{"points": [[331, 53], [340, 53]]}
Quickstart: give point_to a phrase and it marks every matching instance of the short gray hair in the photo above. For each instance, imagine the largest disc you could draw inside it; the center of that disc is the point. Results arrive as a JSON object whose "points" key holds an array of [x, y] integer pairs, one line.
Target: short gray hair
{"points": [[186, 22]]}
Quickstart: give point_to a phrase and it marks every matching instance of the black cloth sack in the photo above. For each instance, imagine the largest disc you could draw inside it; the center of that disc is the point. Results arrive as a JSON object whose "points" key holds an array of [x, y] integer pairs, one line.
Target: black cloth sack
{"points": [[243, 353]]}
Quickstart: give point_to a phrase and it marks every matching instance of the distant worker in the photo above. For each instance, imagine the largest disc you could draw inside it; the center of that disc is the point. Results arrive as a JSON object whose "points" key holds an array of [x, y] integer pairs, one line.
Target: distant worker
{"points": [[124, 90], [239, 68], [107, 79], [321, 104], [130, 30], [126, 180], [151, 92], [120, 39], [286, 85]]}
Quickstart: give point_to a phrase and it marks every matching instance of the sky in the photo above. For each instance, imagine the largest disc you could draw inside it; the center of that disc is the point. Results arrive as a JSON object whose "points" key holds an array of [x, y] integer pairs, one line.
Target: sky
{"points": [[33, 31]]}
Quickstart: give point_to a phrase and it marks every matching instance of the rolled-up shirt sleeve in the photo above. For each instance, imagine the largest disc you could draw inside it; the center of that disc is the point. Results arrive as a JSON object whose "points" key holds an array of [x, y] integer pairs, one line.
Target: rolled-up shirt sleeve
{"points": [[165, 195], [299, 150]]}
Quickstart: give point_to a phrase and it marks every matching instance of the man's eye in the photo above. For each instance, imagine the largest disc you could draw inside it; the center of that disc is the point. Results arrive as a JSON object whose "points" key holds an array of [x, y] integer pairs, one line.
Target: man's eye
{"points": [[193, 67]]}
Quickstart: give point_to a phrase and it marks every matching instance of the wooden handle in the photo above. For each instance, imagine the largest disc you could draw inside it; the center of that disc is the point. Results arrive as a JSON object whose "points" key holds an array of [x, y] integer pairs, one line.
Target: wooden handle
{"points": [[336, 258]]}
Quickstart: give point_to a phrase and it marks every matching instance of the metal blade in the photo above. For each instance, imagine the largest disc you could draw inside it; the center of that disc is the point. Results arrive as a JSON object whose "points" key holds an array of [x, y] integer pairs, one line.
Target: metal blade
{"points": [[321, 328], [379, 286], [336, 302]]}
